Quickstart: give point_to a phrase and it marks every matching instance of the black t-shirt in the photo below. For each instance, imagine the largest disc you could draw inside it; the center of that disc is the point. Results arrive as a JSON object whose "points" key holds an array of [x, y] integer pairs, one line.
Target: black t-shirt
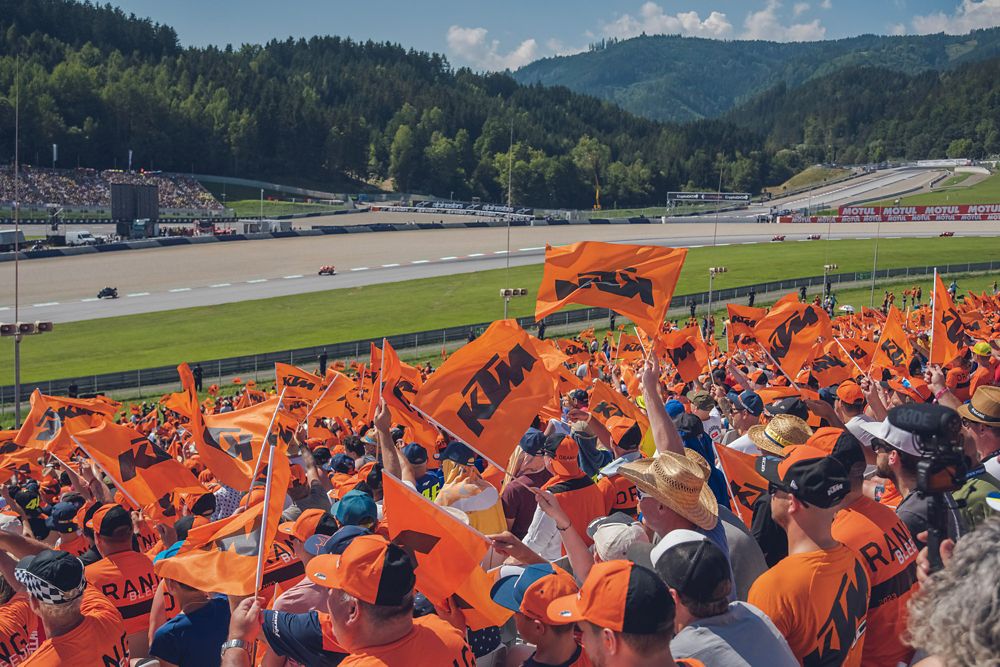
{"points": [[299, 637], [914, 512], [90, 556], [771, 537], [531, 662]]}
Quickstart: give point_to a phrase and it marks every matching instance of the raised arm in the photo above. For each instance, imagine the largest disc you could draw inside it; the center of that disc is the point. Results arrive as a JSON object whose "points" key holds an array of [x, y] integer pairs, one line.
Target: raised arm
{"points": [[665, 435]]}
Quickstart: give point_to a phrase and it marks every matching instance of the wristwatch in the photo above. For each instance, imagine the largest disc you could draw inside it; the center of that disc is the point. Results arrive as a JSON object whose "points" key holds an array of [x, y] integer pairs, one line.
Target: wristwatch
{"points": [[234, 643]]}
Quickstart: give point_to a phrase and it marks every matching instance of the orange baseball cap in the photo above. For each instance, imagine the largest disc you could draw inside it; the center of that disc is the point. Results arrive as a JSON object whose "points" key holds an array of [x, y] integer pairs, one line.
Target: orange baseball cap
{"points": [[564, 454], [371, 569], [624, 432], [309, 523], [618, 595], [850, 393], [912, 387], [533, 589]]}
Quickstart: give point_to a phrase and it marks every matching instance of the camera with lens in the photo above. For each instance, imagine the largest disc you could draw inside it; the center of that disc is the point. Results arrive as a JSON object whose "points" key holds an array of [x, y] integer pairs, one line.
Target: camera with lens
{"points": [[942, 467]]}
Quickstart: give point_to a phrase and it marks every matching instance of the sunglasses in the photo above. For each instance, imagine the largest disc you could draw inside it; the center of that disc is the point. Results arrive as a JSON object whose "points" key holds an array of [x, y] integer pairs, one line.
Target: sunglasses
{"points": [[879, 445], [773, 489]]}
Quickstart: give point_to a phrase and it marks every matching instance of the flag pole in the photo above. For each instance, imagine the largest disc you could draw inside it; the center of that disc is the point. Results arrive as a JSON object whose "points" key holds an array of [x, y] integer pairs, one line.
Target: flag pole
{"points": [[934, 295], [259, 578], [777, 365], [446, 430], [849, 356], [267, 437]]}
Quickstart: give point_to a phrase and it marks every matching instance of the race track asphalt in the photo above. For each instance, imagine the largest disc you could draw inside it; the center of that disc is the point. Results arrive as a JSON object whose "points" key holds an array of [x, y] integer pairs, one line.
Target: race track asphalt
{"points": [[65, 289]]}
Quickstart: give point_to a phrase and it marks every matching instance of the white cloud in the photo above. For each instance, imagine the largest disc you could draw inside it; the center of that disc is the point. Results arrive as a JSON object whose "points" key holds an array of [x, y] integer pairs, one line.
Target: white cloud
{"points": [[826, 4], [800, 8], [968, 15], [652, 20], [765, 24], [473, 46], [897, 29], [557, 48]]}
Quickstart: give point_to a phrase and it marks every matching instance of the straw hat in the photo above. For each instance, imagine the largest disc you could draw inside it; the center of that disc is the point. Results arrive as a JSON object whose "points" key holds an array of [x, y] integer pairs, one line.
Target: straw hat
{"points": [[782, 431], [679, 482]]}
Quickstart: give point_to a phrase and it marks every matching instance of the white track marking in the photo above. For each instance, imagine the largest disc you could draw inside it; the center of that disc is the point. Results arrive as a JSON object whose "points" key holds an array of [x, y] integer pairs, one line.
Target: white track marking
{"points": [[43, 305], [389, 266], [221, 285], [87, 300], [420, 261], [181, 289], [445, 259], [499, 252], [293, 277], [256, 280], [138, 294], [360, 268], [540, 247], [476, 254]]}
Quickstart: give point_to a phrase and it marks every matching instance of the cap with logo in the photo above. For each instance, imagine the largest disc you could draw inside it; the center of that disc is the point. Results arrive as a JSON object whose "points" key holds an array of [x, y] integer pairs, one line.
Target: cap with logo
{"points": [[850, 393], [310, 522], [355, 508], [415, 453], [747, 400], [533, 590], [52, 577], [62, 518], [984, 408], [109, 519], [625, 432], [692, 565], [371, 569], [840, 445], [29, 501], [333, 544], [563, 452], [618, 595], [532, 442], [791, 405], [912, 387], [808, 474], [895, 437], [457, 452]]}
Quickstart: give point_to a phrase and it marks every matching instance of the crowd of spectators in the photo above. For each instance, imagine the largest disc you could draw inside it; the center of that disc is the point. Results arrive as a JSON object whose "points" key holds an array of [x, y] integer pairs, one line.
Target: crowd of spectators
{"points": [[89, 187]]}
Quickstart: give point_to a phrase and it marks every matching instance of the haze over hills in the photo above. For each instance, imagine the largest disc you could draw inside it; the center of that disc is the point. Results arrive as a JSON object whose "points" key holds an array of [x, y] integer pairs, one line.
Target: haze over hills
{"points": [[677, 78]]}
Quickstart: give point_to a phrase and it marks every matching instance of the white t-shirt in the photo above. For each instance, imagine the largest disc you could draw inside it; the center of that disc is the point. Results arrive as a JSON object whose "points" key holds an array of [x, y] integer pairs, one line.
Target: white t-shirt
{"points": [[713, 425], [746, 445]]}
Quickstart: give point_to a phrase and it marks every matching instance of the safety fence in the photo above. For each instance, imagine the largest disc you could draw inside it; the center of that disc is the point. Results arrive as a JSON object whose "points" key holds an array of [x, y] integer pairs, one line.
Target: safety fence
{"points": [[223, 370]]}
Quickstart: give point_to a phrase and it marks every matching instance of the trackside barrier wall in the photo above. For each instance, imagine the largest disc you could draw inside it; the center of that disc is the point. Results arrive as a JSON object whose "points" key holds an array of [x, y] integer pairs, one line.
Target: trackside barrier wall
{"points": [[223, 370]]}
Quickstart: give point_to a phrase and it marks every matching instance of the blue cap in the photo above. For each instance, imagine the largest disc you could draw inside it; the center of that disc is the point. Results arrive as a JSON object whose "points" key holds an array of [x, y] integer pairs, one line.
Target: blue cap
{"points": [[508, 592], [61, 518], [673, 408], [355, 508], [457, 452], [533, 442], [415, 453], [748, 400], [319, 545], [341, 463]]}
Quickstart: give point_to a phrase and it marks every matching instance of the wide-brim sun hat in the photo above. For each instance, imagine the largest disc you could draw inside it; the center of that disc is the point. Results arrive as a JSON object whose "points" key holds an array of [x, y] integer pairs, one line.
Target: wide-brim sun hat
{"points": [[679, 482], [781, 432]]}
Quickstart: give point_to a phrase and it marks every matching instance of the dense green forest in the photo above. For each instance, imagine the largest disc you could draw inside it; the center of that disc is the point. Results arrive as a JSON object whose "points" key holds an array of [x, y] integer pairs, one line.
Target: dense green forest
{"points": [[674, 78], [873, 114], [98, 83], [336, 113]]}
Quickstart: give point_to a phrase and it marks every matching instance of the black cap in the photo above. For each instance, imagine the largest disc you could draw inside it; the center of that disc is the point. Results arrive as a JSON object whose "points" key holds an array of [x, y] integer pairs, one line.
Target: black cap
{"points": [[690, 424], [61, 518], [533, 442], [341, 463], [808, 474], [457, 452], [320, 543], [205, 505], [53, 577], [792, 405], [415, 453], [696, 568], [29, 501], [580, 396], [110, 518]]}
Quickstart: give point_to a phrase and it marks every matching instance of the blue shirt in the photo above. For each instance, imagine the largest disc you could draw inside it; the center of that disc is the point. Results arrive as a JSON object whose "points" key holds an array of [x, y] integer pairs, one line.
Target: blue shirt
{"points": [[194, 639], [430, 485], [299, 637]]}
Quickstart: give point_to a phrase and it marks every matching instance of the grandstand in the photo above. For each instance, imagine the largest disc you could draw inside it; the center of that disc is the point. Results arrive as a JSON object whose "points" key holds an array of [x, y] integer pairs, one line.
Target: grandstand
{"points": [[92, 188]]}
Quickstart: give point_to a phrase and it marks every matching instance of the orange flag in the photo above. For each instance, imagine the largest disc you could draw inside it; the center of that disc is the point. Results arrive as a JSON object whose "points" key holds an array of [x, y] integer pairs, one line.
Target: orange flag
{"points": [[142, 470], [742, 320], [296, 382], [53, 418], [400, 385], [20, 461], [447, 551], [222, 556], [686, 351], [339, 399], [634, 280], [488, 392], [745, 484], [606, 403], [629, 348], [948, 335], [789, 332], [893, 349], [861, 351], [829, 366], [574, 351]]}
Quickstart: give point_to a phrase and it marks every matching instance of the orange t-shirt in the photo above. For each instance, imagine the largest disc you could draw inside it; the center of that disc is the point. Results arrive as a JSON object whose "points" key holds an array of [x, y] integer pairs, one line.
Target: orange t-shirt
{"points": [[127, 579], [433, 641], [282, 568], [983, 377], [76, 544], [99, 640], [582, 501], [891, 497], [958, 382], [620, 495], [819, 601], [19, 629], [690, 662], [887, 549]]}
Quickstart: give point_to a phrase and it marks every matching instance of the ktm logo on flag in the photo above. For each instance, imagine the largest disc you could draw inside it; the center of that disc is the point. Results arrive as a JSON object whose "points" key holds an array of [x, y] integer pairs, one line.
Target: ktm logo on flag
{"points": [[573, 350], [846, 622], [827, 362], [746, 494], [280, 433], [8, 447], [857, 353], [895, 353], [631, 347], [405, 386], [679, 354], [953, 325], [620, 283], [414, 542], [243, 544], [146, 455], [296, 381], [495, 388], [52, 420], [608, 410], [233, 441], [781, 338], [741, 319]]}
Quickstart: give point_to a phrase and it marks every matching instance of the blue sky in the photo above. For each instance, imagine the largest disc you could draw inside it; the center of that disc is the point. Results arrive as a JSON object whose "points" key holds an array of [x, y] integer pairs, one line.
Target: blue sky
{"points": [[500, 35]]}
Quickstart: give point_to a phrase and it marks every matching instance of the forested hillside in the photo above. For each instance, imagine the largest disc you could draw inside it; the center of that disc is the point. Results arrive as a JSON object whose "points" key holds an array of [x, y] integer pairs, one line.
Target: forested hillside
{"points": [[99, 83], [668, 77], [869, 114]]}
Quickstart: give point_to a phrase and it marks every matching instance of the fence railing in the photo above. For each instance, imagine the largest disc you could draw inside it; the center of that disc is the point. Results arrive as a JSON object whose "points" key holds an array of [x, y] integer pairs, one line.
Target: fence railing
{"points": [[215, 370]]}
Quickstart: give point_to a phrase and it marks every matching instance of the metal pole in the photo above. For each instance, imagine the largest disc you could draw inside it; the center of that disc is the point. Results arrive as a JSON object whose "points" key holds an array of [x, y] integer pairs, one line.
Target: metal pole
{"points": [[262, 205], [718, 205], [17, 234], [878, 231]]}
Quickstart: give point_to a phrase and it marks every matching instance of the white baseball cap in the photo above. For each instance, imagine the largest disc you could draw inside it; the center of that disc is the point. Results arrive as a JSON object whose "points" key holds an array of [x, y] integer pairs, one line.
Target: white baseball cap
{"points": [[897, 438]]}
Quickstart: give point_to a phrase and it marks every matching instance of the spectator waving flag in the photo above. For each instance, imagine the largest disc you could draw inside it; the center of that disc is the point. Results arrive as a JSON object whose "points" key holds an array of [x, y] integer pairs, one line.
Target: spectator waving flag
{"points": [[53, 418], [296, 382], [789, 332], [745, 483], [893, 349], [488, 392], [634, 280], [685, 350], [400, 383]]}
